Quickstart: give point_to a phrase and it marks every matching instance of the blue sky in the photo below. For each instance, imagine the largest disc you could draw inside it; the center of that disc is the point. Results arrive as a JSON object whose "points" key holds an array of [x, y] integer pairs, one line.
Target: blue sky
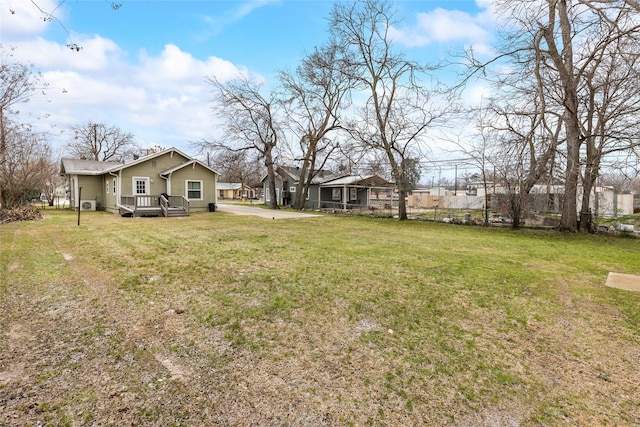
{"points": [[142, 67]]}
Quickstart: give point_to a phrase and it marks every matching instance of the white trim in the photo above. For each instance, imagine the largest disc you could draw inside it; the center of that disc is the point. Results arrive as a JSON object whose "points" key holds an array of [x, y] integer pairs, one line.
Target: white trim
{"points": [[134, 187], [186, 189]]}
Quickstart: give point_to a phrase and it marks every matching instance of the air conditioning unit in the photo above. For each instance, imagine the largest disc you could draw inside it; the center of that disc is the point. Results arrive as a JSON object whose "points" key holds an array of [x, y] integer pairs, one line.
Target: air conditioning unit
{"points": [[87, 205]]}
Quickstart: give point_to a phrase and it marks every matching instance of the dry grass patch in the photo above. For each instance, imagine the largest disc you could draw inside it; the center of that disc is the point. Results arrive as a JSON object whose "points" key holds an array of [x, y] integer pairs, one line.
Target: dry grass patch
{"points": [[219, 319]]}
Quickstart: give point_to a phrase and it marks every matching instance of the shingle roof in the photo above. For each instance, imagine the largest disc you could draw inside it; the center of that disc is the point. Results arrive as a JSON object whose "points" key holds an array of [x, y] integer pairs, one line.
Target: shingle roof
{"points": [[94, 167], [368, 181], [85, 167]]}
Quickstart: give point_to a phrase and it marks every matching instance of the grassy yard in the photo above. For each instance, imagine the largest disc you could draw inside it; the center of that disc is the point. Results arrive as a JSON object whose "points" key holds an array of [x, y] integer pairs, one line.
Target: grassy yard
{"points": [[218, 319]]}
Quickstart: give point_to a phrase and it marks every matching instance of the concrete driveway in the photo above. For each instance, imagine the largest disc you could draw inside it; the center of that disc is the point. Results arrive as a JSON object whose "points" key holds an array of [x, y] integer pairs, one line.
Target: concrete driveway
{"points": [[261, 212]]}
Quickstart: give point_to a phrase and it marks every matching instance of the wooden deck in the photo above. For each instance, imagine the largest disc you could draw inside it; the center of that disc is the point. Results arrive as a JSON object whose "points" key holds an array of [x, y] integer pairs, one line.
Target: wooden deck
{"points": [[160, 205]]}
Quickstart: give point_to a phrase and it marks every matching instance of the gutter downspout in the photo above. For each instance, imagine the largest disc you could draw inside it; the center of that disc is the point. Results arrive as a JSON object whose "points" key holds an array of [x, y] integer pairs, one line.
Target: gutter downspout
{"points": [[76, 201], [168, 179]]}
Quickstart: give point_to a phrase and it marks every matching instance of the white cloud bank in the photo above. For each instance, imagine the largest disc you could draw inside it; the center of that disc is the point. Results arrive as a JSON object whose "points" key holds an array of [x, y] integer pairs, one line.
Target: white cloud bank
{"points": [[163, 100]]}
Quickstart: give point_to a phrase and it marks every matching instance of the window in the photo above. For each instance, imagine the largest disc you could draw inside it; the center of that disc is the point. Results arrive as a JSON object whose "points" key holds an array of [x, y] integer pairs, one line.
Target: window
{"points": [[292, 189], [107, 187], [267, 195], [335, 194], [114, 186], [140, 186], [194, 190], [353, 194]]}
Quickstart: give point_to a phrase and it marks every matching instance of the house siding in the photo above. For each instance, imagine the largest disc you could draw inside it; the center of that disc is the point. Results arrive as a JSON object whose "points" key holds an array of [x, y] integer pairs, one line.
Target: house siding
{"points": [[199, 173], [91, 190], [150, 169]]}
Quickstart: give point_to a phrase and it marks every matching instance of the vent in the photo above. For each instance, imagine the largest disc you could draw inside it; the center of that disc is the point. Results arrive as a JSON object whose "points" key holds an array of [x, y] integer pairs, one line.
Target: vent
{"points": [[88, 205]]}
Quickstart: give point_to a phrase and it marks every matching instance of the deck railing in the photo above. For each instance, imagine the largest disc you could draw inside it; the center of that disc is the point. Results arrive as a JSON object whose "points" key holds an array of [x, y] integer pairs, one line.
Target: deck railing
{"points": [[161, 202]]}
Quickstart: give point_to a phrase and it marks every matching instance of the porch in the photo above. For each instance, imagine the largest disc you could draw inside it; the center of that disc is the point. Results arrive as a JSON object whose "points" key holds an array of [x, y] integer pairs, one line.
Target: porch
{"points": [[148, 205]]}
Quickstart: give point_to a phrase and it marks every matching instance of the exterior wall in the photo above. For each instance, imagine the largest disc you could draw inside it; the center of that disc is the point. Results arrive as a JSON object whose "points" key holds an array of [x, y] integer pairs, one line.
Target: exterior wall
{"points": [[110, 199], [150, 169], [312, 200], [91, 190], [625, 204], [327, 197], [278, 195], [179, 179], [227, 194]]}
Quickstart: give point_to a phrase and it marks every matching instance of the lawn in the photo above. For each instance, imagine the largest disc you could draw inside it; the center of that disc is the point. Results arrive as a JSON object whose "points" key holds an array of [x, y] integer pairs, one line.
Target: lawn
{"points": [[218, 319]]}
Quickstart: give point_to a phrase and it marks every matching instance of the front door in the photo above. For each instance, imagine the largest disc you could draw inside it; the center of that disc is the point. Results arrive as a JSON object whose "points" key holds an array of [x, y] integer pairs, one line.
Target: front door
{"points": [[141, 191]]}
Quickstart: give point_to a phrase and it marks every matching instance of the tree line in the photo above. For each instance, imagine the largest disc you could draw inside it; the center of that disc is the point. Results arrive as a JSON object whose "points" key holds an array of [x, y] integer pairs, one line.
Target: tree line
{"points": [[563, 104], [564, 101]]}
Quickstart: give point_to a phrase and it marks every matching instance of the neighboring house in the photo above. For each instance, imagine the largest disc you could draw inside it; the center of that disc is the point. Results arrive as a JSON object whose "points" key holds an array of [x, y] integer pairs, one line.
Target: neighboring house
{"points": [[167, 183], [288, 185], [351, 190], [233, 190], [326, 190]]}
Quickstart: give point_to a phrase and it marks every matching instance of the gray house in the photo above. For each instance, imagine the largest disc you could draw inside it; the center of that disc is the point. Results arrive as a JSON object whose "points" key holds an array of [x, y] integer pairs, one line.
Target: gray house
{"points": [[327, 191]]}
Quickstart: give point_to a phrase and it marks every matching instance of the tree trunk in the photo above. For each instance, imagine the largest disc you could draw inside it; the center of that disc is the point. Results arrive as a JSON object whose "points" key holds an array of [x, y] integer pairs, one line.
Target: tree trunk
{"points": [[569, 216], [306, 174], [271, 178]]}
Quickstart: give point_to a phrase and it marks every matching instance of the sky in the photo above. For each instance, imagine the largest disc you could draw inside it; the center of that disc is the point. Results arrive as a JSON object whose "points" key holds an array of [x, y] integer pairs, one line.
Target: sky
{"points": [[143, 67]]}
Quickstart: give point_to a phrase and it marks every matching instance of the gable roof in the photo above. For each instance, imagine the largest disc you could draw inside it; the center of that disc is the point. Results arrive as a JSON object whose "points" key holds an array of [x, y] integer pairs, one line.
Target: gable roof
{"points": [[293, 173], [85, 167], [184, 165], [95, 167], [150, 157]]}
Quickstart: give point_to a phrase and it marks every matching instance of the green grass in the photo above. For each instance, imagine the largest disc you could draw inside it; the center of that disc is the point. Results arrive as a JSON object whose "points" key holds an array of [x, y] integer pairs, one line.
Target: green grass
{"points": [[350, 320]]}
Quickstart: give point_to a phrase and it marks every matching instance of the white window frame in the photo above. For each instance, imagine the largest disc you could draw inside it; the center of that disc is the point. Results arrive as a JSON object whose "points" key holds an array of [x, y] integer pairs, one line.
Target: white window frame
{"points": [[107, 182], [267, 195], [292, 189], [186, 189], [114, 186], [134, 185]]}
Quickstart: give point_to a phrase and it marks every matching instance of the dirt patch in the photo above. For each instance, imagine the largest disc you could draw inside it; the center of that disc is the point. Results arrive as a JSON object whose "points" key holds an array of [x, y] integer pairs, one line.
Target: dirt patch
{"points": [[628, 282]]}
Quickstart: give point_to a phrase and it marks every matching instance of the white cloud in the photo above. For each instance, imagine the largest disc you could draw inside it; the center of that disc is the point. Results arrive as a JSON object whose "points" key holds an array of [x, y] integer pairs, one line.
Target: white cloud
{"points": [[174, 65], [21, 19], [447, 26], [162, 99]]}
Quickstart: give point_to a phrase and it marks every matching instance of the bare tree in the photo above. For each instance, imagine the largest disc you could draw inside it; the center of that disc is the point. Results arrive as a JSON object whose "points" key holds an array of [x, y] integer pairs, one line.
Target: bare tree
{"points": [[527, 133], [235, 166], [52, 181], [25, 168], [249, 123], [572, 44], [17, 83], [316, 93], [610, 104], [478, 151], [581, 46], [398, 111], [98, 141]]}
